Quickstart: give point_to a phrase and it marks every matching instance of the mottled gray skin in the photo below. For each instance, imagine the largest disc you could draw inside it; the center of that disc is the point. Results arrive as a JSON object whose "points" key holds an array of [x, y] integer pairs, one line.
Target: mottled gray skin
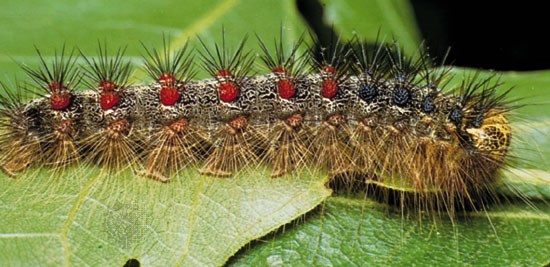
{"points": [[258, 100]]}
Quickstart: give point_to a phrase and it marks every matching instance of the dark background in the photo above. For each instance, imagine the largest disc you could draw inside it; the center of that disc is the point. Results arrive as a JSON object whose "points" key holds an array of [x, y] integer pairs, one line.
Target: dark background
{"points": [[482, 34], [490, 35]]}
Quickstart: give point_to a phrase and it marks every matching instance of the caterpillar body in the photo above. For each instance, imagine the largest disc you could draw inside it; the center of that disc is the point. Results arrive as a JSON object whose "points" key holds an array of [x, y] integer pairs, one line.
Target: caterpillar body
{"points": [[347, 108]]}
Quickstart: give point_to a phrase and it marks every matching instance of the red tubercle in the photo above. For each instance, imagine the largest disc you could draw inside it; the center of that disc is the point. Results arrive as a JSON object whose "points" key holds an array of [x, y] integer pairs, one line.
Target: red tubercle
{"points": [[107, 86], [167, 79], [64, 127], [108, 100], [169, 95], [55, 86], [60, 101], [223, 73], [286, 88], [116, 128], [179, 126], [328, 69], [238, 123], [60, 98], [329, 88], [228, 91], [336, 119], [294, 121], [279, 70]]}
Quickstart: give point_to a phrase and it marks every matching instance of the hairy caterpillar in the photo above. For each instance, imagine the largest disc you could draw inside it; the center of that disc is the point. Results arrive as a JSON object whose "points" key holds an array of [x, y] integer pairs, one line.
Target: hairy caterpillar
{"points": [[349, 109]]}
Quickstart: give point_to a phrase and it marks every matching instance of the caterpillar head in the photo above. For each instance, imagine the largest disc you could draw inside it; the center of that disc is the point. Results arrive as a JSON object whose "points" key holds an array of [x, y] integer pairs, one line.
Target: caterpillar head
{"points": [[492, 134]]}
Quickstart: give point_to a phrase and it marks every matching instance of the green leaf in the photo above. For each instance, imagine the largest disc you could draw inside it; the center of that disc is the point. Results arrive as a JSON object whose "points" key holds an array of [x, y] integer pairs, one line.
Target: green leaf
{"points": [[49, 25], [90, 218], [348, 232], [391, 19]]}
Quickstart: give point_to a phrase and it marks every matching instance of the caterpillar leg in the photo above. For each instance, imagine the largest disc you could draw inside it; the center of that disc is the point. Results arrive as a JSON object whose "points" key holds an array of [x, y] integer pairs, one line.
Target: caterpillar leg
{"points": [[59, 147], [171, 149], [115, 147], [288, 148], [236, 145], [18, 155], [364, 140], [331, 145]]}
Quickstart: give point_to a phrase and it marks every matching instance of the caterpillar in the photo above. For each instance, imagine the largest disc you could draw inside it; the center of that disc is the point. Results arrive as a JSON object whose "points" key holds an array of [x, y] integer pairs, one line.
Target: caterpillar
{"points": [[347, 108]]}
